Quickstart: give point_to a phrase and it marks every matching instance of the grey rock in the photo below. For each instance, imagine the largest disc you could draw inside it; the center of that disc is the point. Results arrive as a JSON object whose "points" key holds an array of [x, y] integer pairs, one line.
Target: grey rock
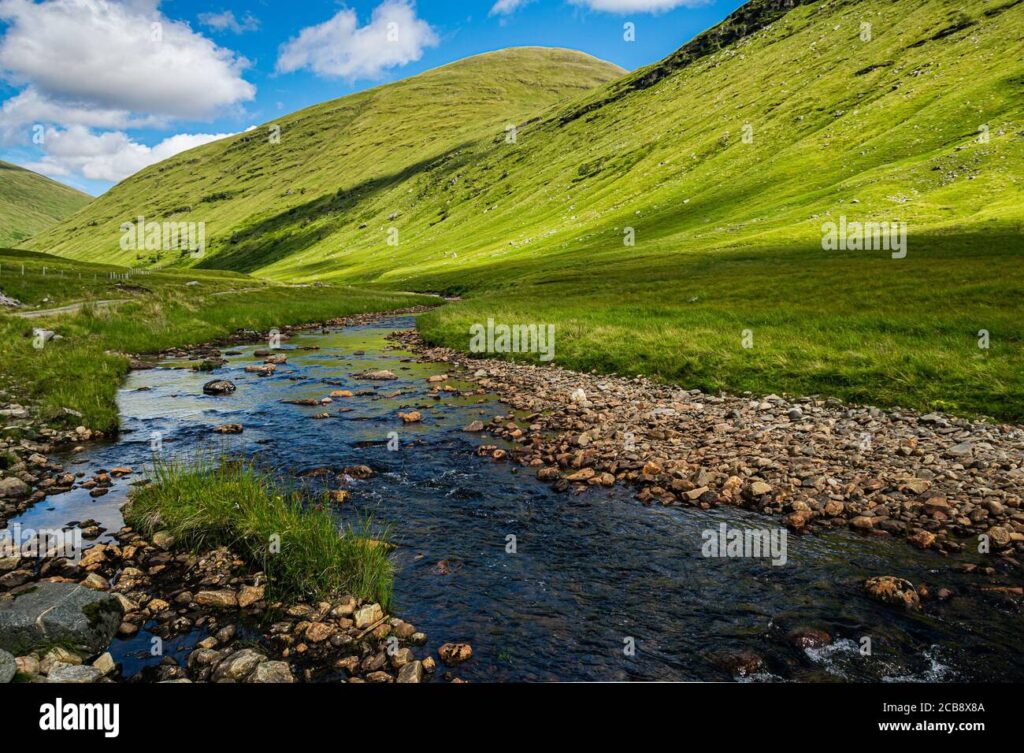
{"points": [[272, 673], [219, 387], [962, 450], [8, 667], [238, 666], [78, 674], [379, 375], [59, 613]]}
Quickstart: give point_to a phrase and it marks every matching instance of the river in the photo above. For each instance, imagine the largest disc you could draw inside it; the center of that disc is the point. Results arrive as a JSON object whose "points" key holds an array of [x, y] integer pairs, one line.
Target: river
{"points": [[592, 587]]}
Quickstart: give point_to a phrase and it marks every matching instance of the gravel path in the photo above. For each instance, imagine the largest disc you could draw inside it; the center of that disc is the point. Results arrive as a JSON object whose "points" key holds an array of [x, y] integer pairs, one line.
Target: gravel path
{"points": [[71, 308]]}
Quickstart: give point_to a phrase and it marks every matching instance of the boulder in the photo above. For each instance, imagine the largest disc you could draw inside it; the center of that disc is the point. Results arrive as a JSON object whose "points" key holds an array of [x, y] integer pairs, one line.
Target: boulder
{"points": [[13, 488], [377, 375], [455, 653], [368, 615], [238, 666], [807, 637], [223, 599], [219, 387], [59, 613], [893, 591], [411, 673], [741, 663], [359, 472], [74, 674], [272, 673], [250, 595], [999, 536]]}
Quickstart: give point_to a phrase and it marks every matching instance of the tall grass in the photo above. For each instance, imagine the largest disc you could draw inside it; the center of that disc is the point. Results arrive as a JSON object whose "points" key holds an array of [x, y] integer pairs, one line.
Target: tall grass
{"points": [[299, 546]]}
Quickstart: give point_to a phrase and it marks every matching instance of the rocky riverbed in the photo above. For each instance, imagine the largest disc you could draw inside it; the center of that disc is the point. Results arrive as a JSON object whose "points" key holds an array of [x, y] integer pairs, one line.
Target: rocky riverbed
{"points": [[942, 483], [246, 637]]}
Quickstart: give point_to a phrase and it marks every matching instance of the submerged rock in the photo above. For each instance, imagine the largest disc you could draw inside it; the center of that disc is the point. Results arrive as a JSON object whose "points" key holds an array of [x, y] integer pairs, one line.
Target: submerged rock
{"points": [[455, 653], [894, 591], [377, 375]]}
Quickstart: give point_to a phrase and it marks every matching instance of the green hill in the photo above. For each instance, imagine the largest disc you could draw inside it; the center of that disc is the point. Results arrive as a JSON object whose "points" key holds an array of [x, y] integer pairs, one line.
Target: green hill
{"points": [[30, 203], [725, 162], [327, 160], [891, 123]]}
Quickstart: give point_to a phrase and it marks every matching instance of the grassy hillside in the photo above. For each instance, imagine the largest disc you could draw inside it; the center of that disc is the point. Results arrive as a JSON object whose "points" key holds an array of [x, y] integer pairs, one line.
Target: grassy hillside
{"points": [[327, 160], [725, 160], [30, 203]]}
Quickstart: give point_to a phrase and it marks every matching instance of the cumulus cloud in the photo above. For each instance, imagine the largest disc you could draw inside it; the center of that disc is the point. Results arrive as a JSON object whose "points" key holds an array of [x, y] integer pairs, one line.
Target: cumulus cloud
{"points": [[507, 7], [118, 56], [341, 48], [87, 71], [226, 21], [111, 156], [637, 6], [20, 114]]}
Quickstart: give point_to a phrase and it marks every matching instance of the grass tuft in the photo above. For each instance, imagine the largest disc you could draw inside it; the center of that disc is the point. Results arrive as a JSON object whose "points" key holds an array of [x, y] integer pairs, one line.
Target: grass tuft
{"points": [[301, 548]]}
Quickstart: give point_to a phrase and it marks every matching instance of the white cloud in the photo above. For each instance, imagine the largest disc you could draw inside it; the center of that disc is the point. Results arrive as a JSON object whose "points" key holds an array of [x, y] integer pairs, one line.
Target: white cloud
{"points": [[111, 156], [21, 113], [637, 6], [507, 7], [341, 48], [117, 56], [226, 21]]}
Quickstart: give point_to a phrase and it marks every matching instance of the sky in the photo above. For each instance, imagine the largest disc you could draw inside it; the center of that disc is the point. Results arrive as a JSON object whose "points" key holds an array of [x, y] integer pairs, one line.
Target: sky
{"points": [[92, 91]]}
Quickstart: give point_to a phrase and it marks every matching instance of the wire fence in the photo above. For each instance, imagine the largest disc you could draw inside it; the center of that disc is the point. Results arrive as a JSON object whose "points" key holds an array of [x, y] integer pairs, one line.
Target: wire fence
{"points": [[20, 270]]}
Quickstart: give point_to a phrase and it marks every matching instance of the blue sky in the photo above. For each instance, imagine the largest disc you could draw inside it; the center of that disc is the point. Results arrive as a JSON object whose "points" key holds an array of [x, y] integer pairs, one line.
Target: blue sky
{"points": [[94, 90]]}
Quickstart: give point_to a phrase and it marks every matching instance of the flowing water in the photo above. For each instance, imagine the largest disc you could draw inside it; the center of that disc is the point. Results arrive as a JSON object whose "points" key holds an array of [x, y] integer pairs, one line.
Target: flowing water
{"points": [[591, 575]]}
